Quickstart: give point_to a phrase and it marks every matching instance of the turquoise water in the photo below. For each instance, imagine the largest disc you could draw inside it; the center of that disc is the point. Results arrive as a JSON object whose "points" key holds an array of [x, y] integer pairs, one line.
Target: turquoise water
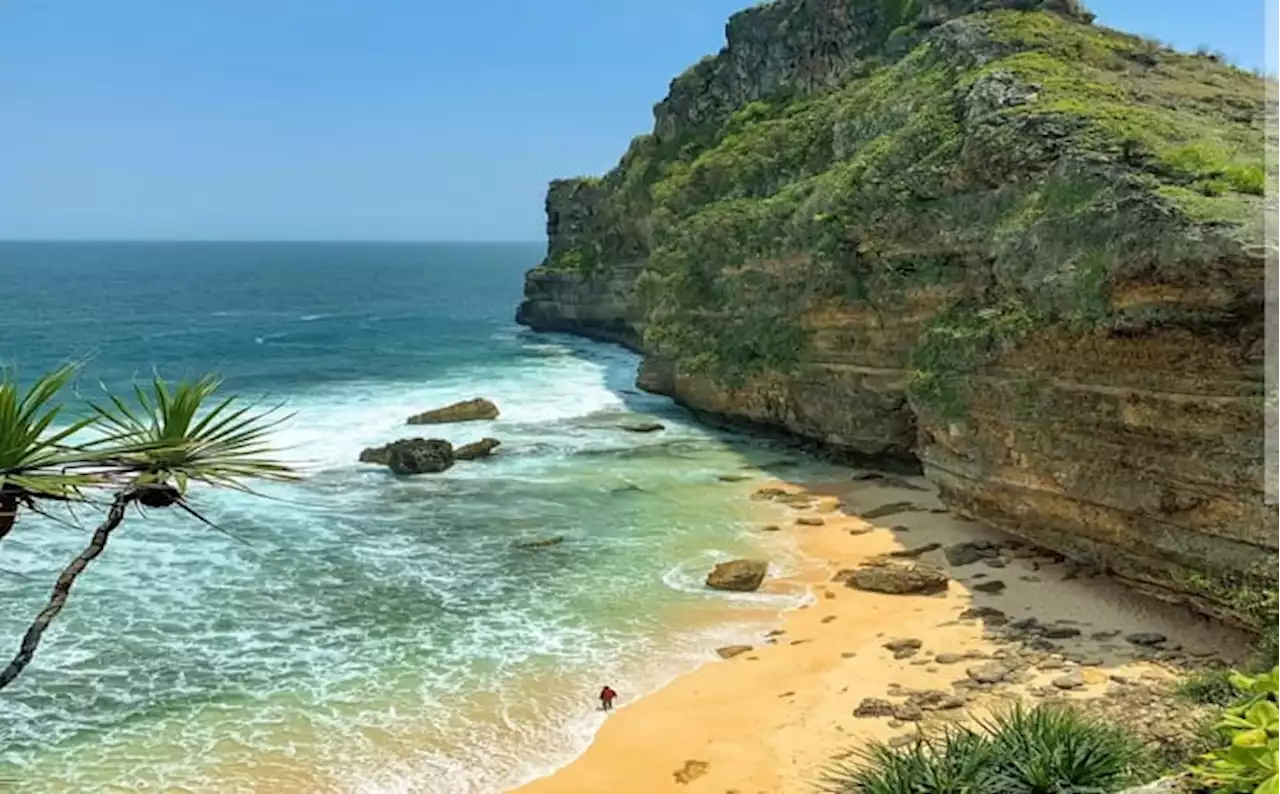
{"points": [[355, 632]]}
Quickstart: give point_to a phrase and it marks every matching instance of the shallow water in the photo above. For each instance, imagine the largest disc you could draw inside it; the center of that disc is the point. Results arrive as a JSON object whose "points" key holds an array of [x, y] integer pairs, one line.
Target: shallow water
{"points": [[356, 632]]}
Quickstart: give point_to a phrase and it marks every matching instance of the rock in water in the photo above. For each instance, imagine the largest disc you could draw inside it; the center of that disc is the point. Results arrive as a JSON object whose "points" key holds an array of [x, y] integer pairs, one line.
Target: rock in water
{"points": [[412, 455], [642, 427], [738, 575], [419, 456], [375, 455], [541, 543], [730, 651], [477, 409], [898, 577], [476, 449]]}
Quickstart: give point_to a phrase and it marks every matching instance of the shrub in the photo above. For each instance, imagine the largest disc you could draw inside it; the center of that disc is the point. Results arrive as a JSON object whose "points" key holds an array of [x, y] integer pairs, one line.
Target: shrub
{"points": [[1044, 750], [1212, 687], [957, 762], [1267, 650], [1245, 762], [1052, 750]]}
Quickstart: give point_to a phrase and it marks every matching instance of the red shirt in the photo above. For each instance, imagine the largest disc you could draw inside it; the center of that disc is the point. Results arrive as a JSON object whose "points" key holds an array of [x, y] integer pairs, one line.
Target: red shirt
{"points": [[607, 694]]}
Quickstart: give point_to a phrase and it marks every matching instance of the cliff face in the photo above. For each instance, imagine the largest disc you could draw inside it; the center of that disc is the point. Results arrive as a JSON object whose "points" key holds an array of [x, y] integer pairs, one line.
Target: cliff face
{"points": [[984, 235]]}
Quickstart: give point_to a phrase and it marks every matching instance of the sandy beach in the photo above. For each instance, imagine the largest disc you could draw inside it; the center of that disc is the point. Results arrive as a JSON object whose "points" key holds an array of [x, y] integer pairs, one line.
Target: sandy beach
{"points": [[770, 720]]}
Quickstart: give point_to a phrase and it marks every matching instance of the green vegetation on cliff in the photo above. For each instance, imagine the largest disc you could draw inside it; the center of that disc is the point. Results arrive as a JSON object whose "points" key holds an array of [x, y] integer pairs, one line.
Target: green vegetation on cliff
{"points": [[1019, 159]]}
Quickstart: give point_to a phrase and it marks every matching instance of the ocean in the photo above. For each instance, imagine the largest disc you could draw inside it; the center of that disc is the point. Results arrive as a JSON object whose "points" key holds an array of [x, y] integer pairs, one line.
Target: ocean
{"points": [[356, 632]]}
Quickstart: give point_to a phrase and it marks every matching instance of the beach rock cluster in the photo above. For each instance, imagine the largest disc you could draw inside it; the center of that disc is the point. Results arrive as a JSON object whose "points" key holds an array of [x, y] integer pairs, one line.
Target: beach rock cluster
{"points": [[926, 254], [410, 456]]}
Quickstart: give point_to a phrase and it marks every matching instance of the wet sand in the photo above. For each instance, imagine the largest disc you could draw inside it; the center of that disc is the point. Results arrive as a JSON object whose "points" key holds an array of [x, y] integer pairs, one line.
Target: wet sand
{"points": [[771, 719]]}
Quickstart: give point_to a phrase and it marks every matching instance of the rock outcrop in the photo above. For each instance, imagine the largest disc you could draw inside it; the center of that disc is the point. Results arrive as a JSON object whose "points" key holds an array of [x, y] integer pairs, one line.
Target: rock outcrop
{"points": [[473, 410], [477, 449], [412, 456], [982, 238], [738, 575]]}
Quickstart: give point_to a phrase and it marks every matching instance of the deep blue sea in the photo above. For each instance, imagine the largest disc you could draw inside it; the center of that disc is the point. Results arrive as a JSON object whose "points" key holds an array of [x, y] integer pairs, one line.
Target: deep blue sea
{"points": [[355, 632]]}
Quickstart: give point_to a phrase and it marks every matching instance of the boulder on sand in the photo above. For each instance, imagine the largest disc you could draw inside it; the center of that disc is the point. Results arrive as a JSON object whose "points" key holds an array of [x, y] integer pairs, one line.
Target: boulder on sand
{"points": [[898, 577], [412, 455], [476, 449], [474, 410], [738, 575]]}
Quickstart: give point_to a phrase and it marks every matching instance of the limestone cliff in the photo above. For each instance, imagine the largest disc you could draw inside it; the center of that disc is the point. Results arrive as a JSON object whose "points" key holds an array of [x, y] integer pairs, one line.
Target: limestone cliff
{"points": [[986, 236]]}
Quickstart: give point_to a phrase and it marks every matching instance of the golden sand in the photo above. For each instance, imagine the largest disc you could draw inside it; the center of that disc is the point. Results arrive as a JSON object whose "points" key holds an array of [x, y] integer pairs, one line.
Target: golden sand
{"points": [[770, 720]]}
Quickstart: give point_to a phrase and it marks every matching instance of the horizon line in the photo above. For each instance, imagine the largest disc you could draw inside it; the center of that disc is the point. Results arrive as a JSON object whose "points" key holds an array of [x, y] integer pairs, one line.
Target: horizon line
{"points": [[260, 240]]}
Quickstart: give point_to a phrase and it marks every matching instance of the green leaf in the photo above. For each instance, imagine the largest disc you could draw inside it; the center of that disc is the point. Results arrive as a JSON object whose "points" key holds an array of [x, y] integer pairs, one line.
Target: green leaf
{"points": [[1263, 714], [183, 433], [1254, 737]]}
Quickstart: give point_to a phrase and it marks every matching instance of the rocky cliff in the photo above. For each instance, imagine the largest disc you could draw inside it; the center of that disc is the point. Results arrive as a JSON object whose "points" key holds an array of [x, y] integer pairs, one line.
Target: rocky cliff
{"points": [[986, 237]]}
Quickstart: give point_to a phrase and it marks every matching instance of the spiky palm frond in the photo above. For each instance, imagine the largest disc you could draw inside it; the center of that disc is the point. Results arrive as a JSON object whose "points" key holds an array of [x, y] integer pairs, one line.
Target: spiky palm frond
{"points": [[35, 459], [172, 437]]}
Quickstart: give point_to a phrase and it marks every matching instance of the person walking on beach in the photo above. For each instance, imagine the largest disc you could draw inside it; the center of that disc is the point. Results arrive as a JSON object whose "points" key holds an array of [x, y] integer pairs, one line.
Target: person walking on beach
{"points": [[606, 699]]}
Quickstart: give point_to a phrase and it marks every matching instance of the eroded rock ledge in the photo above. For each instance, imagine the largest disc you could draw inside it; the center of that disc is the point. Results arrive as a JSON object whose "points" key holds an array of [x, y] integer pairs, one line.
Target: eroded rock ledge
{"points": [[990, 239]]}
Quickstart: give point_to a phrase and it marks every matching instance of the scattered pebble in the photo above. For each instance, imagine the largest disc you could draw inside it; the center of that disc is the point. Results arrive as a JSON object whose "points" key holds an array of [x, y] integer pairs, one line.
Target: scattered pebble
{"points": [[873, 707], [1061, 633], [989, 673], [1146, 638], [910, 644], [691, 771]]}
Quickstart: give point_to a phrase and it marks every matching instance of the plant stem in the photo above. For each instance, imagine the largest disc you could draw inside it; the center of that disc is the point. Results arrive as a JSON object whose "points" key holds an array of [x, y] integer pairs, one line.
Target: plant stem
{"points": [[8, 510], [62, 588]]}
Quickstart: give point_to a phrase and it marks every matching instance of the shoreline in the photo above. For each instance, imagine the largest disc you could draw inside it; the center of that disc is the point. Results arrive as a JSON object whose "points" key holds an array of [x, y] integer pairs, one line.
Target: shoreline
{"points": [[772, 718]]}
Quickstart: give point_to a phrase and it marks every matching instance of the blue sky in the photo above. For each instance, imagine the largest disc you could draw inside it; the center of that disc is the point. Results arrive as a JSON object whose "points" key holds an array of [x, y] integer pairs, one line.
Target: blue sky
{"points": [[364, 119]]}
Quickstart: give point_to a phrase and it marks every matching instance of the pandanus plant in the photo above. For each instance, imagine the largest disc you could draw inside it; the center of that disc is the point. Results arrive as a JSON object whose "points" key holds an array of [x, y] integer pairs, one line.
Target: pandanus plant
{"points": [[146, 454]]}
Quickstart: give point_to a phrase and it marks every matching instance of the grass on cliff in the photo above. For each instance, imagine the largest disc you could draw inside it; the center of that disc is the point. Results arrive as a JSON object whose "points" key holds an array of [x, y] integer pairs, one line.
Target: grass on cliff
{"points": [[1187, 120], [1022, 751], [1110, 149]]}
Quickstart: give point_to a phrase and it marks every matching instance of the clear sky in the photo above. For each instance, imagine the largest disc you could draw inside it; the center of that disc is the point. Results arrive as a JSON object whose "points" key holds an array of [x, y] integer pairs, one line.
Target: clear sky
{"points": [[364, 119]]}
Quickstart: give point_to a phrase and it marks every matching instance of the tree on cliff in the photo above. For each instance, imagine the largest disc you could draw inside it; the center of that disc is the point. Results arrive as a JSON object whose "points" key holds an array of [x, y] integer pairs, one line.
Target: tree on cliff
{"points": [[144, 454]]}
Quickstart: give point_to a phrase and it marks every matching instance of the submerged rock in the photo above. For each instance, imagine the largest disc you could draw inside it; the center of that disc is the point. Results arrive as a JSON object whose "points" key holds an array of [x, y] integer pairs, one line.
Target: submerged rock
{"points": [[541, 543], [474, 410], [642, 427], [738, 575], [477, 449]]}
